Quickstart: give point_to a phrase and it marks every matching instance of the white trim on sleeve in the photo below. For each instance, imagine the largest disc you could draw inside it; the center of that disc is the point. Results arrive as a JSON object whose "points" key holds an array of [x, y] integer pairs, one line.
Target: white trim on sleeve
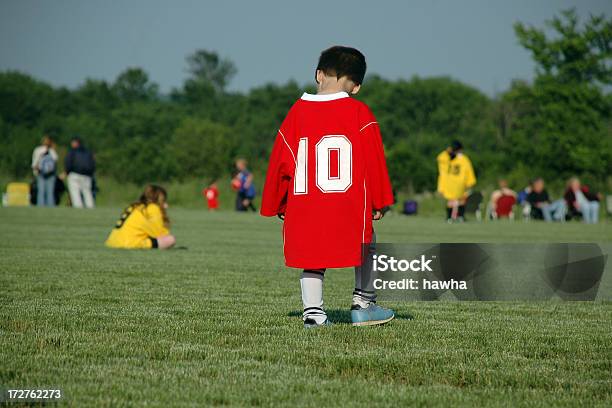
{"points": [[371, 123], [288, 147]]}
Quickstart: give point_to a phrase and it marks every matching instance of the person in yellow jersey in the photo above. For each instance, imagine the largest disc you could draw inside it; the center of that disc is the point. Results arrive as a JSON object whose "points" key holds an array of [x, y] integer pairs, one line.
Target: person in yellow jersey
{"points": [[144, 223], [455, 178]]}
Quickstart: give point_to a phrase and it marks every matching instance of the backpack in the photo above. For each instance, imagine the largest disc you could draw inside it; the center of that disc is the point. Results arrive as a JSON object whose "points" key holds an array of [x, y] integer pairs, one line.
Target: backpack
{"points": [[410, 207], [46, 165]]}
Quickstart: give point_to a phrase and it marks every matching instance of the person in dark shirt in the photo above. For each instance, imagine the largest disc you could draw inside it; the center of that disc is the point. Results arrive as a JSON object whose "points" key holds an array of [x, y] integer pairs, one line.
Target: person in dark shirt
{"points": [[246, 189], [80, 166], [541, 206]]}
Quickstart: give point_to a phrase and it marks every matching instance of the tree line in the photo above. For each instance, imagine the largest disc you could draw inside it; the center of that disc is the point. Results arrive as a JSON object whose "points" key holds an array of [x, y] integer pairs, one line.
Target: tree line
{"points": [[556, 126]]}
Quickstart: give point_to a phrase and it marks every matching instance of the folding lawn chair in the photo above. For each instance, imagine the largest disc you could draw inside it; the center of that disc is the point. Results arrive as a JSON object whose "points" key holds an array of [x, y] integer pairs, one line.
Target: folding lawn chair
{"points": [[504, 207]]}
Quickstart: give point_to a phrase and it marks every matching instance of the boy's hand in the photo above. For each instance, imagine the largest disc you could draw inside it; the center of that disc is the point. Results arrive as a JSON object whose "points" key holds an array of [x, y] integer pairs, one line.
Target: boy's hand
{"points": [[377, 215]]}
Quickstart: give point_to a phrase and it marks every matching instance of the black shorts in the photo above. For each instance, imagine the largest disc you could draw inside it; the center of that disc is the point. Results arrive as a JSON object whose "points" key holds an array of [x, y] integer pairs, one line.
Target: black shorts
{"points": [[154, 243]]}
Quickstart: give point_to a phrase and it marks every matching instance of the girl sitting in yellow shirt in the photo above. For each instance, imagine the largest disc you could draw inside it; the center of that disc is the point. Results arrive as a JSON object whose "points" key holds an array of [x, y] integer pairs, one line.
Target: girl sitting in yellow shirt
{"points": [[144, 224]]}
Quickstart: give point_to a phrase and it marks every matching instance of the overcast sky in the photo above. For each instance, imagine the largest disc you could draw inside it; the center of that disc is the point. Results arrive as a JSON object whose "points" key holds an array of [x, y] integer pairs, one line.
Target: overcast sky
{"points": [[64, 41]]}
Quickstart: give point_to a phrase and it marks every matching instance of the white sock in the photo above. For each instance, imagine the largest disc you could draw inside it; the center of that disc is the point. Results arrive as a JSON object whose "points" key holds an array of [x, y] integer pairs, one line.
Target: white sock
{"points": [[312, 296], [360, 300]]}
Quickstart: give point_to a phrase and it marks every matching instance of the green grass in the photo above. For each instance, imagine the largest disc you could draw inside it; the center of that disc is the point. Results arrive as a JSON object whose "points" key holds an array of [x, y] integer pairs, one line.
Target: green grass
{"points": [[218, 324]]}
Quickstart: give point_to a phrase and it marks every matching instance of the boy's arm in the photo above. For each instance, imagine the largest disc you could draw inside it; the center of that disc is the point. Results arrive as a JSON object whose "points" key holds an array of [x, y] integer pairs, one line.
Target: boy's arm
{"points": [[248, 181], [280, 171], [377, 175]]}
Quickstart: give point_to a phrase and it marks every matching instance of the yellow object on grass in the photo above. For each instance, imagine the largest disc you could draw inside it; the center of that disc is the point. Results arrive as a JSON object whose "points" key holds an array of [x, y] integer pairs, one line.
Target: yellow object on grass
{"points": [[17, 195]]}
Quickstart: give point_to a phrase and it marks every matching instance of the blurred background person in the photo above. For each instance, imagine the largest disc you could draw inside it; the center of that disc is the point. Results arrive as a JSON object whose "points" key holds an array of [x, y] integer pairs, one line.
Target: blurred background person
{"points": [[541, 206], [246, 187], [504, 196], [44, 167], [581, 201], [211, 194], [79, 166], [455, 179]]}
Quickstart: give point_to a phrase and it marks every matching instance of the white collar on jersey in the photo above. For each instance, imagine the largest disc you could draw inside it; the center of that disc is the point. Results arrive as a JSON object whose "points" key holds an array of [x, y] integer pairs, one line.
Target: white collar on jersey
{"points": [[324, 97]]}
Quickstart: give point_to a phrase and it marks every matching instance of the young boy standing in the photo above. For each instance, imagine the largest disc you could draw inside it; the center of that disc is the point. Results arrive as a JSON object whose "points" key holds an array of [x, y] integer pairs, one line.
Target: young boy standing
{"points": [[327, 178]]}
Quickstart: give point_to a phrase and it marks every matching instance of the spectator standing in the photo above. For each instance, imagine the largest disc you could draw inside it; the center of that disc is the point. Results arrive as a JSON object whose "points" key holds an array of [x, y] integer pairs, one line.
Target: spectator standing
{"points": [[80, 166], [455, 179], [44, 166], [541, 206], [580, 201]]}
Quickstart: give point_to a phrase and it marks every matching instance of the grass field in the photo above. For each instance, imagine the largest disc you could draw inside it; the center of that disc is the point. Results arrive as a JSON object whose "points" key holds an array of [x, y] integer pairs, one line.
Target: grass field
{"points": [[218, 323]]}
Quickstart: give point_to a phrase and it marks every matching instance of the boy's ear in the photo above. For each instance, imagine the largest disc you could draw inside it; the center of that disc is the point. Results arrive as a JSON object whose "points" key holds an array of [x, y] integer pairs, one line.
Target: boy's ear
{"points": [[319, 76], [355, 89]]}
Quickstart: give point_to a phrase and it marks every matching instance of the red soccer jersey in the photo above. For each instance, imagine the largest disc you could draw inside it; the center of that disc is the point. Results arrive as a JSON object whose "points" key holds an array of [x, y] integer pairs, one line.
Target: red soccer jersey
{"points": [[327, 172]]}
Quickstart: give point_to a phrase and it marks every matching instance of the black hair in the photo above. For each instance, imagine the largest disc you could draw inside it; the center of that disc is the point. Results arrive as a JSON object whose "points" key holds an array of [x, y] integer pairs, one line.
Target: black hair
{"points": [[456, 145], [342, 61]]}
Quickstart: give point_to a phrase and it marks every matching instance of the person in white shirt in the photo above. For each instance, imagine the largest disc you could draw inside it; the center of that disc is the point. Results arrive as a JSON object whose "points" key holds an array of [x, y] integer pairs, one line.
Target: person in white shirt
{"points": [[44, 167], [582, 201]]}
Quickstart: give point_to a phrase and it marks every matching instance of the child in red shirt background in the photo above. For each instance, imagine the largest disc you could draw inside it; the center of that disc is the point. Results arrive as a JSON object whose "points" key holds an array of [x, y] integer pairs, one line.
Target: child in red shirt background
{"points": [[211, 195]]}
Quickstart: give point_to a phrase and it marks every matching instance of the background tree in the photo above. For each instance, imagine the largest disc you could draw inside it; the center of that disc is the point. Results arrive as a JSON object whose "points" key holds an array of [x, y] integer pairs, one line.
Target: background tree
{"points": [[133, 85], [560, 125], [202, 149], [207, 67], [577, 54]]}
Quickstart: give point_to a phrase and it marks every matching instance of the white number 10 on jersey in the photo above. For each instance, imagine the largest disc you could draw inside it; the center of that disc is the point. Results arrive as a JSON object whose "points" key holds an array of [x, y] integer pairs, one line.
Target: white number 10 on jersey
{"points": [[333, 162]]}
